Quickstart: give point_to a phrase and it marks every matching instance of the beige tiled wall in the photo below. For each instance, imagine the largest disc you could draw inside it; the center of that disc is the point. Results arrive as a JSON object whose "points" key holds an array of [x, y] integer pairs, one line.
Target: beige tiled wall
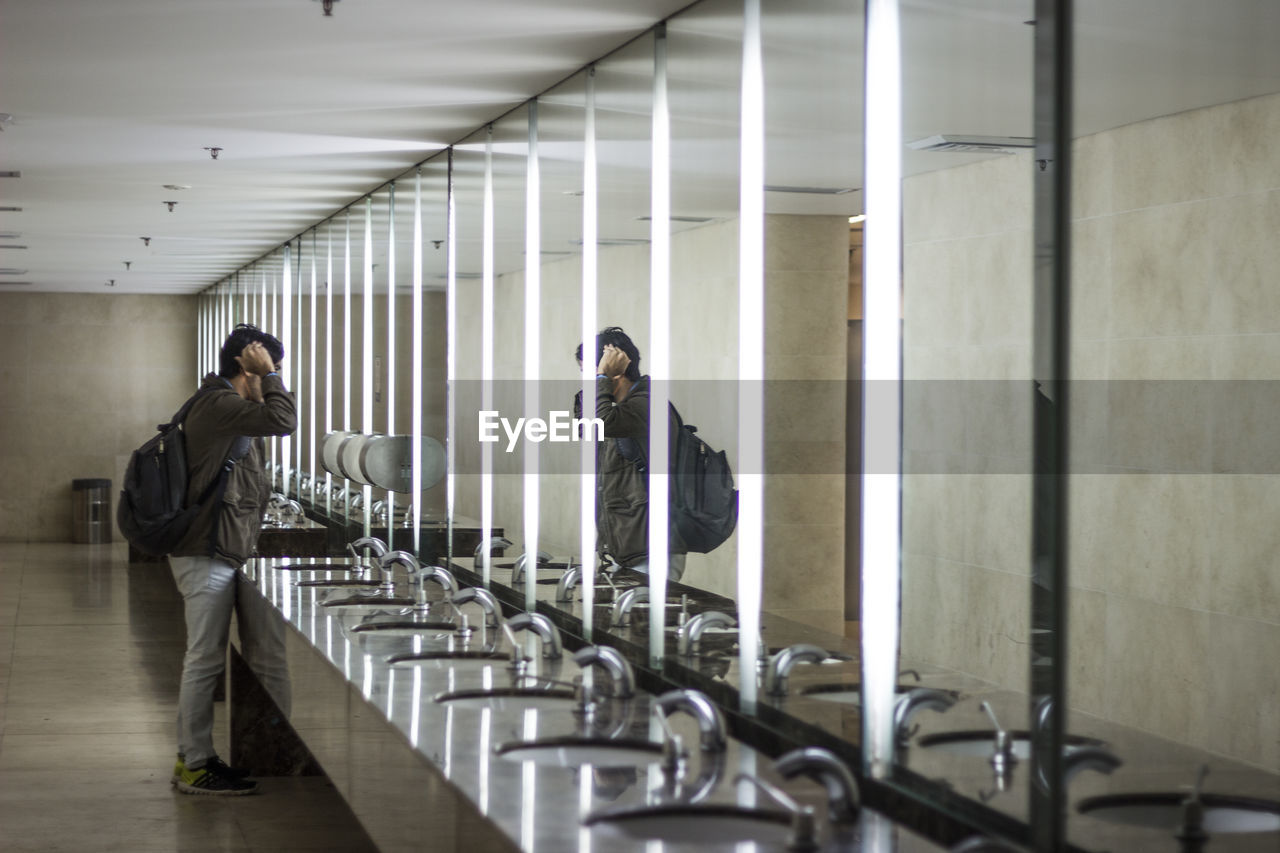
{"points": [[806, 281], [1175, 600], [85, 379]]}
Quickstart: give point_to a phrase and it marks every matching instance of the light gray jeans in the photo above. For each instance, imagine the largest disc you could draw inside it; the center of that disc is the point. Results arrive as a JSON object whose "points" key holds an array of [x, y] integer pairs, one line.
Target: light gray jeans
{"points": [[208, 588]]}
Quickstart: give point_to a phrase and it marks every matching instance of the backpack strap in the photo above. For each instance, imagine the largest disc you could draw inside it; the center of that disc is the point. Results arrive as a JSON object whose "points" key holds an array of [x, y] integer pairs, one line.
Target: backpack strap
{"points": [[181, 415], [239, 447]]}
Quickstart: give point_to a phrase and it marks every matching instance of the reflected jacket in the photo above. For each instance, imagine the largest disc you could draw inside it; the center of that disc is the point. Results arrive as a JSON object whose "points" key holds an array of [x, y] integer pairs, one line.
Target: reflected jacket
{"points": [[622, 484], [229, 529]]}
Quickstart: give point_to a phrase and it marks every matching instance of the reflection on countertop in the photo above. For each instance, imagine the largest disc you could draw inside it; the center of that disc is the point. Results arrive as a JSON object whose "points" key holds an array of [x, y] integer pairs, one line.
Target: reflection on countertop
{"points": [[824, 695], [353, 707]]}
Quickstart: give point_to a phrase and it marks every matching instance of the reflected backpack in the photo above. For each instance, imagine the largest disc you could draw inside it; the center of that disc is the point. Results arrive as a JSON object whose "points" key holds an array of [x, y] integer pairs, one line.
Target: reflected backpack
{"points": [[153, 513], [703, 502]]}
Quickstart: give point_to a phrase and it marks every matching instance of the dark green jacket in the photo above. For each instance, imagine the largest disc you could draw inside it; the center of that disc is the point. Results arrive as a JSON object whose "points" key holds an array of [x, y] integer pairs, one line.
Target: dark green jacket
{"points": [[622, 490], [217, 418]]}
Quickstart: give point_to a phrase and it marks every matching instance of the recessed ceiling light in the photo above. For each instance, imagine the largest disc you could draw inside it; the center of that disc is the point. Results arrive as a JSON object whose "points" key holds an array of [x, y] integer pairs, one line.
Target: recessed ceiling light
{"points": [[959, 144], [177, 186], [774, 188], [854, 220]]}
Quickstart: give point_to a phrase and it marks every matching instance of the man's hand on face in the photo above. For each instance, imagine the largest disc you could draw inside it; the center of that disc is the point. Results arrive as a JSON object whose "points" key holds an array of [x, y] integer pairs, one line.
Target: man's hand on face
{"points": [[613, 362], [255, 360]]}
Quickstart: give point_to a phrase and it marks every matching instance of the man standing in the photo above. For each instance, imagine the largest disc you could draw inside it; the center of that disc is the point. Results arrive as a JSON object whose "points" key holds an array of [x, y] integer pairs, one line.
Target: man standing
{"points": [[244, 400], [622, 481]]}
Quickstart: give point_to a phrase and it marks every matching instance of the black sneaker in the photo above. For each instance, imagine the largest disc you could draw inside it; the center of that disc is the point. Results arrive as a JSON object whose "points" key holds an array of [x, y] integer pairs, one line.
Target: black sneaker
{"points": [[226, 769], [210, 780]]}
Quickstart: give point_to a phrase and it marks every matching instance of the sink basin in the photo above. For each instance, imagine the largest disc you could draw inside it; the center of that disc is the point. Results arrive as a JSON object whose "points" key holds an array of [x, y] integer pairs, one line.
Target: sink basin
{"points": [[1163, 810], [981, 743], [851, 694], [444, 658], [404, 628], [699, 824], [575, 751], [509, 699], [368, 603], [318, 567]]}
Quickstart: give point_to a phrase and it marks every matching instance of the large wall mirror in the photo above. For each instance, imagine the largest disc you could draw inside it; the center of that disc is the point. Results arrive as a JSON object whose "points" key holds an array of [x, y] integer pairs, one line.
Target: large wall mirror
{"points": [[460, 288]]}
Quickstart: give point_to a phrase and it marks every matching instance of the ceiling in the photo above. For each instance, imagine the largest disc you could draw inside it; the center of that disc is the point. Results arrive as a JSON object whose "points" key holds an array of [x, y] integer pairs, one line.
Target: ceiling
{"points": [[113, 101]]}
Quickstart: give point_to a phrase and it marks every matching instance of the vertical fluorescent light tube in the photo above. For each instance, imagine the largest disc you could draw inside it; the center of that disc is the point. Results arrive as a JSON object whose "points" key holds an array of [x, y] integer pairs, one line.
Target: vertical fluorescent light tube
{"points": [[415, 427], [590, 271], [298, 385], [391, 345], [532, 354], [286, 338], [312, 429], [751, 368], [486, 354], [328, 359], [450, 362], [366, 371], [882, 408], [346, 353], [659, 343], [268, 277]]}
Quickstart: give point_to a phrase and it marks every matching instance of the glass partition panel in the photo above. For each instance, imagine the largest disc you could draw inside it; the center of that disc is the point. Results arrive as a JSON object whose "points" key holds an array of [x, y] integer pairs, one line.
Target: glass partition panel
{"points": [[967, 399], [1174, 604], [472, 334], [434, 408]]}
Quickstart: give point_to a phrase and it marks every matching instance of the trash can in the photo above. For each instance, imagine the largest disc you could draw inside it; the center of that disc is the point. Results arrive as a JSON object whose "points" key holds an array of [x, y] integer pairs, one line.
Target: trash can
{"points": [[91, 511]]}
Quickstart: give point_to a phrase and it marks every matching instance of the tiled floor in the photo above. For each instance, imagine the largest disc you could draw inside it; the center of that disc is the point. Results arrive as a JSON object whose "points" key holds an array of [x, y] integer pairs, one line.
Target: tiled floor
{"points": [[90, 654]]}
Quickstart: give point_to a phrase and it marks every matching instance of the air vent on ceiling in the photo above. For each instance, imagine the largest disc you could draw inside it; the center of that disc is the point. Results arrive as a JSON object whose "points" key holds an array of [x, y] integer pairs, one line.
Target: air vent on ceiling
{"points": [[11, 246], [958, 144], [10, 174], [15, 284], [8, 209], [695, 219], [10, 235], [12, 271], [812, 191]]}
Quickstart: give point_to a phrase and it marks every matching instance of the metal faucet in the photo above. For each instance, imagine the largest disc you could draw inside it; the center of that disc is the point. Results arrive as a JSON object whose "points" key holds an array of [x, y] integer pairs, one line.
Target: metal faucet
{"points": [[377, 546], [517, 571], [821, 765], [689, 635], [439, 575], [620, 615], [611, 661], [412, 567], [568, 580], [543, 628], [485, 548], [775, 677], [982, 844], [711, 724], [910, 703], [489, 604]]}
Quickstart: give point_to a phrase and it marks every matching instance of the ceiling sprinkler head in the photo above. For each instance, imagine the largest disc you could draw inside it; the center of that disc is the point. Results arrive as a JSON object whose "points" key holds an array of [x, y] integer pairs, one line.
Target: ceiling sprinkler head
{"points": [[172, 205], [111, 283], [146, 241], [327, 5], [127, 264], [213, 151]]}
